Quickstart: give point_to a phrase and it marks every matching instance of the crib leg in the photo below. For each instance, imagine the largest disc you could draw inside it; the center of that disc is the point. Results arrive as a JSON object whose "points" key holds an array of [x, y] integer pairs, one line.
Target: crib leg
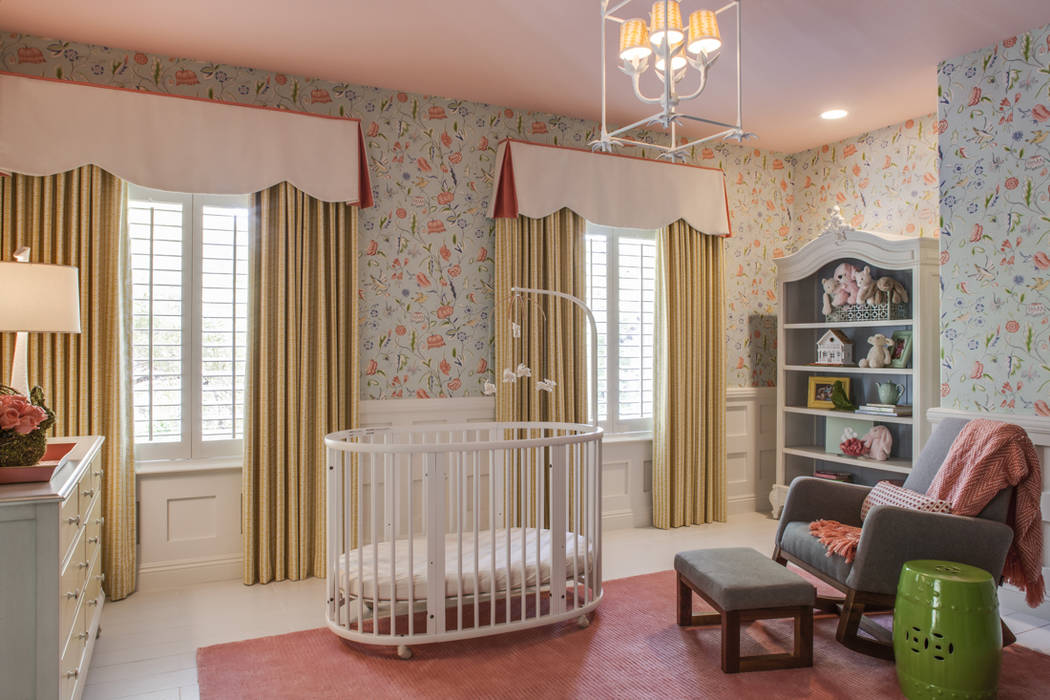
{"points": [[403, 652], [583, 622]]}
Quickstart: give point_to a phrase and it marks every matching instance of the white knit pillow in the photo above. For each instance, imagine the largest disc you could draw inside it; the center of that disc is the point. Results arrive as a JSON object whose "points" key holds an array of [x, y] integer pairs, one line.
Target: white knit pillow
{"points": [[887, 494]]}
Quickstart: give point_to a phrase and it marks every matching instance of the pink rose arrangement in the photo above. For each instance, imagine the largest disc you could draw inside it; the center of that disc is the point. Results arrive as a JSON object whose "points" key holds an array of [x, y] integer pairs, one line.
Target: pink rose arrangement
{"points": [[17, 414], [24, 421]]}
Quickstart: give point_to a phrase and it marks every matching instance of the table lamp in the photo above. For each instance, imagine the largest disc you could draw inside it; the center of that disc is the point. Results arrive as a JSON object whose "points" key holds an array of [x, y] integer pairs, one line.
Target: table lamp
{"points": [[36, 298]]}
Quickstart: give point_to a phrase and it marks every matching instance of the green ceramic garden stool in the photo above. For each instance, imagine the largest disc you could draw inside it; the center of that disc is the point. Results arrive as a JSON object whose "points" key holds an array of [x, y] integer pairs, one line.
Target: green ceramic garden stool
{"points": [[947, 639]]}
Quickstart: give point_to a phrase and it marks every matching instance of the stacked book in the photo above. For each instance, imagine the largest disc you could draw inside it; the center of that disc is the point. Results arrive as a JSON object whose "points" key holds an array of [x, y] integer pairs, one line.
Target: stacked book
{"points": [[833, 476], [884, 409]]}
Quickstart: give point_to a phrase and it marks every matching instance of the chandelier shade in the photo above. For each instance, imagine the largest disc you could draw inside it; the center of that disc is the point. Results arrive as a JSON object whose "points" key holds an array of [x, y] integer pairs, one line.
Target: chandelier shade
{"points": [[678, 61], [634, 40], [703, 32], [666, 21]]}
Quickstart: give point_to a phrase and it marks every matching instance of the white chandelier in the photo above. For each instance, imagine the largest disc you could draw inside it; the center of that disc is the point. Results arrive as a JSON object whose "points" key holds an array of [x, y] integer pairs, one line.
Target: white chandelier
{"points": [[689, 52]]}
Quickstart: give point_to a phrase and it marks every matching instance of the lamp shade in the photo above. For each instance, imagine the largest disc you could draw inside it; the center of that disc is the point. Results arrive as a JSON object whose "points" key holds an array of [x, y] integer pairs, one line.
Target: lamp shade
{"points": [[678, 61], [667, 23], [634, 40], [703, 32], [39, 298]]}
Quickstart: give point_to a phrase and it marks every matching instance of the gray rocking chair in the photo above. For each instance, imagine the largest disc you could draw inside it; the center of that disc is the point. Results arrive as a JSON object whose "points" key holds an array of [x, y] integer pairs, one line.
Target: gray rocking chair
{"points": [[890, 536]]}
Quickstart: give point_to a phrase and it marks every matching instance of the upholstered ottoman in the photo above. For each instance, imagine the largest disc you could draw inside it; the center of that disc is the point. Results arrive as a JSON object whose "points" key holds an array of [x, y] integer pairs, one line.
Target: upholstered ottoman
{"points": [[742, 586]]}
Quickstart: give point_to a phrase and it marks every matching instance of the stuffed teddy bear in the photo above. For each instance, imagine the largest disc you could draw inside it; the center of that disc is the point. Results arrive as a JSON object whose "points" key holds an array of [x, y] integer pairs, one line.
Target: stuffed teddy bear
{"points": [[834, 294], [845, 273], [879, 355], [879, 442], [891, 290], [865, 286]]}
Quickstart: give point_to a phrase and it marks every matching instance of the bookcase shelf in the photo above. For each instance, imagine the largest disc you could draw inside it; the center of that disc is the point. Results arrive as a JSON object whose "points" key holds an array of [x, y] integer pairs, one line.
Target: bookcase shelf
{"points": [[802, 410], [802, 432]]}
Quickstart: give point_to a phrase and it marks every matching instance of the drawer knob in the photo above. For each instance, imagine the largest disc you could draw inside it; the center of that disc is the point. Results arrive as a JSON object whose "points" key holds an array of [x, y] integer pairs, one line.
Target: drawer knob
{"points": [[75, 520], [93, 602], [73, 674], [97, 473], [83, 565], [82, 635], [102, 578], [72, 595], [90, 493], [93, 540], [100, 521]]}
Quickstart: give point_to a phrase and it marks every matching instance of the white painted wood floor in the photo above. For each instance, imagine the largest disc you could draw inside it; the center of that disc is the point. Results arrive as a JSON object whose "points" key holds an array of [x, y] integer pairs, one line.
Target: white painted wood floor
{"points": [[149, 640]]}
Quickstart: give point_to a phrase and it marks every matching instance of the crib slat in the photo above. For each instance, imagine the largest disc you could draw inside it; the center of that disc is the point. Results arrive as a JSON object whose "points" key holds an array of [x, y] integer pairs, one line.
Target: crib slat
{"points": [[558, 528], [435, 471]]}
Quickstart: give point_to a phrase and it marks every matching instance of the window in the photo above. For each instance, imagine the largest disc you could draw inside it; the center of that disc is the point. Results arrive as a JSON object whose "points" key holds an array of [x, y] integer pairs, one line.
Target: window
{"points": [[621, 290], [189, 261]]}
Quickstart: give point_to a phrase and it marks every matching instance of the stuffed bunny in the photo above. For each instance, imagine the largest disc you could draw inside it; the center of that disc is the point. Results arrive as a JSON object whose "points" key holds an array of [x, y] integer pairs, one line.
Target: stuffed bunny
{"points": [[879, 355], [892, 290], [878, 442], [845, 274], [865, 286]]}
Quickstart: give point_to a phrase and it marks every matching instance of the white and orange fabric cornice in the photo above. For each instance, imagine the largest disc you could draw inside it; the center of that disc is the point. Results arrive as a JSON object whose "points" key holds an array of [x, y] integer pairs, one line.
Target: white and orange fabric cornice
{"points": [[611, 189], [176, 143]]}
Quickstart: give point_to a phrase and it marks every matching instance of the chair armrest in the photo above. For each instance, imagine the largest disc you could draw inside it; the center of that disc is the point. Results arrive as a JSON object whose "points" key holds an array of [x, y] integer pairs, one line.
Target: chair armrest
{"points": [[892, 536], [810, 498]]}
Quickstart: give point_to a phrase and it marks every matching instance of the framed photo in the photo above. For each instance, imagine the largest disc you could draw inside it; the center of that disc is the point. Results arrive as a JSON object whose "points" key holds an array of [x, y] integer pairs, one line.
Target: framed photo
{"points": [[900, 354], [820, 388]]}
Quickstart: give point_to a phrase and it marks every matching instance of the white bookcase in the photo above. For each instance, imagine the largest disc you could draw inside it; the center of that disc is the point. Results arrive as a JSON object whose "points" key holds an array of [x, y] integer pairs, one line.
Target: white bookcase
{"points": [[801, 430]]}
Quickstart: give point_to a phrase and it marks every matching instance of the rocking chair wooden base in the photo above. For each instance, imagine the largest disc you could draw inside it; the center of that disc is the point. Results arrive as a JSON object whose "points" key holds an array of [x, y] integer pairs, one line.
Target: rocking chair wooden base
{"points": [[851, 610]]}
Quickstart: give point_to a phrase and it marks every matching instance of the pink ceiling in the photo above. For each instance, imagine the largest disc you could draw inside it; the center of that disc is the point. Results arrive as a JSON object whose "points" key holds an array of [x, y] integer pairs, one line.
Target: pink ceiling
{"points": [[876, 59]]}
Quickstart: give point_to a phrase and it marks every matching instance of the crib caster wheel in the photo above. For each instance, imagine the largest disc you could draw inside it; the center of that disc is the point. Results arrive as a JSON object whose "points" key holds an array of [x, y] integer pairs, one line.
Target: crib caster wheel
{"points": [[583, 622], [403, 652]]}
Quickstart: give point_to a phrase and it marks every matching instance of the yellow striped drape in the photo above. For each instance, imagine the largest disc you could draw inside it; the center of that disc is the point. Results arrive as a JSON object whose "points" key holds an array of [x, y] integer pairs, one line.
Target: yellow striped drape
{"points": [[689, 448], [545, 253], [301, 380], [76, 218]]}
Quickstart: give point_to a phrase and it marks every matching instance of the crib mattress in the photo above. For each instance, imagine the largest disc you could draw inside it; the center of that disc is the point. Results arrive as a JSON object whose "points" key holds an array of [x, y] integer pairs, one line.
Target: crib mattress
{"points": [[505, 562]]}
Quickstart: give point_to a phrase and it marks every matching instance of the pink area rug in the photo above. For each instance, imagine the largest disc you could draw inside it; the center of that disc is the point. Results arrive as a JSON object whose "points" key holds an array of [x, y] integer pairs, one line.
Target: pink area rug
{"points": [[632, 649]]}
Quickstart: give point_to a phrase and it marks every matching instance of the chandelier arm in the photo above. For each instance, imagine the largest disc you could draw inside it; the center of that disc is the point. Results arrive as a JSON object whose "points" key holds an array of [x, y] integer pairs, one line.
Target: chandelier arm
{"points": [[702, 68], [636, 79]]}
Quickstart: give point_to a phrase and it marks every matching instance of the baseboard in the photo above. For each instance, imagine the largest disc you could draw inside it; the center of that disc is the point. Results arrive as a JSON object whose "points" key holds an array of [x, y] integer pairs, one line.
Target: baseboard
{"points": [[740, 504], [618, 519], [175, 574]]}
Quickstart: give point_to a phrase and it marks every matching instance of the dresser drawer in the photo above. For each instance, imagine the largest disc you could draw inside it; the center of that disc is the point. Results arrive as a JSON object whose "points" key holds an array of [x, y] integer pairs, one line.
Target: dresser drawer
{"points": [[93, 529], [93, 588], [69, 522], [71, 589], [70, 667]]}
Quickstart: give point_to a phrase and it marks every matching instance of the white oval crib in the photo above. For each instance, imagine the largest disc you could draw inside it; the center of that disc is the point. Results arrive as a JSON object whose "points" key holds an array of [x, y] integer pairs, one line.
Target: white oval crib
{"points": [[445, 532]]}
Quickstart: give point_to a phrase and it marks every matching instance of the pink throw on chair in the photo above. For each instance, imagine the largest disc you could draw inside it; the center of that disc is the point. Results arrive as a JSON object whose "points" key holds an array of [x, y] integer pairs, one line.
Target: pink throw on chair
{"points": [[986, 457]]}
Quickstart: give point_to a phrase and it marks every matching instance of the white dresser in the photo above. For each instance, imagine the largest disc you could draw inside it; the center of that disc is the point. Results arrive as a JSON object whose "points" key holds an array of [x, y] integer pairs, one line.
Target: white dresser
{"points": [[50, 578]]}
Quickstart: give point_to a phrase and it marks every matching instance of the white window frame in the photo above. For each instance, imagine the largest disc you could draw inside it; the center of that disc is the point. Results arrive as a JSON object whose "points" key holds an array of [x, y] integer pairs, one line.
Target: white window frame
{"points": [[613, 424], [191, 445]]}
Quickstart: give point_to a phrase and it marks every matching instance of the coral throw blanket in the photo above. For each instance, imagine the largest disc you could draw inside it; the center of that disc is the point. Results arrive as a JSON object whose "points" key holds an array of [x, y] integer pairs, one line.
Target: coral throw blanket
{"points": [[986, 457]]}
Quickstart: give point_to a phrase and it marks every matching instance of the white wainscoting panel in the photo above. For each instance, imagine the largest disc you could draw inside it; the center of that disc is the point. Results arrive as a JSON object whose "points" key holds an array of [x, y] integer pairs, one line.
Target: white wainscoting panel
{"points": [[190, 516], [751, 432], [1038, 429]]}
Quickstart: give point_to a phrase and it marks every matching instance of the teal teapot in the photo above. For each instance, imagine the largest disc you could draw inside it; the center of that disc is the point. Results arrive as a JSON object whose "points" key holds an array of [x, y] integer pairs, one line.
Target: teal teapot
{"points": [[889, 392]]}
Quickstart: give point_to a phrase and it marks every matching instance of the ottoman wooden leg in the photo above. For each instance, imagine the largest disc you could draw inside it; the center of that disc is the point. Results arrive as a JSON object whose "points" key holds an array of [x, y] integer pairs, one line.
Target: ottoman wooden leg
{"points": [[731, 642], [684, 597]]}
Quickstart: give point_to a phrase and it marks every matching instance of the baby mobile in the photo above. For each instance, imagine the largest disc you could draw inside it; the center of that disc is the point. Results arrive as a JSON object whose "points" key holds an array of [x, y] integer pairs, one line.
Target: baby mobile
{"points": [[516, 306]]}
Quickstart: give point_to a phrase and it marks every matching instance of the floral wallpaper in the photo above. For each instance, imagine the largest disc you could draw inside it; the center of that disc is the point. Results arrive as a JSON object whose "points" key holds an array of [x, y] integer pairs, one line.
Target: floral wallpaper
{"points": [[993, 125], [884, 180], [426, 263], [426, 260]]}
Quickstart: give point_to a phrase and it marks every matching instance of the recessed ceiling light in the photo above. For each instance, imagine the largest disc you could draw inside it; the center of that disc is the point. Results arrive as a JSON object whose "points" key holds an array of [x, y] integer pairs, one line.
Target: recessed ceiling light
{"points": [[833, 114]]}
